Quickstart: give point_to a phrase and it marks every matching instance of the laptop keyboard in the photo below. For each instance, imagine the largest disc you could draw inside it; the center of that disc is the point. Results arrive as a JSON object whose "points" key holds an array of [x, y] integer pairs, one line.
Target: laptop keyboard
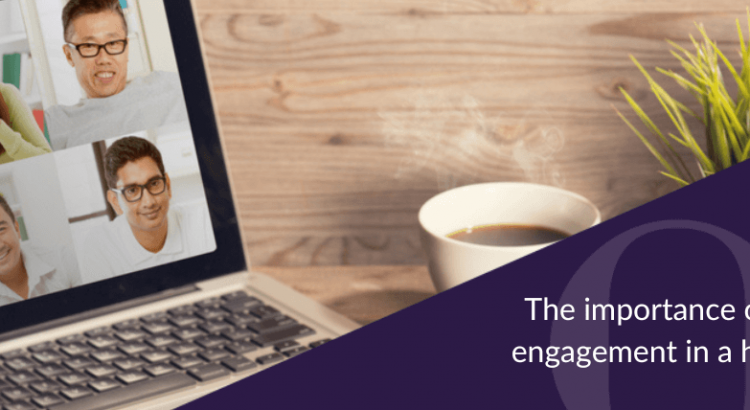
{"points": [[158, 353]]}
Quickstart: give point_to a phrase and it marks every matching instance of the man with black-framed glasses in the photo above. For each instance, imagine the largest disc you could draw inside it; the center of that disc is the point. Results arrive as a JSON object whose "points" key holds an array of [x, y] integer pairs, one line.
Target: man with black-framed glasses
{"points": [[97, 46], [147, 231]]}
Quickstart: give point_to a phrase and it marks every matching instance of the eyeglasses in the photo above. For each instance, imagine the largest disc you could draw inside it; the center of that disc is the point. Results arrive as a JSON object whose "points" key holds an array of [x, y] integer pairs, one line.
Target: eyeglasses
{"points": [[90, 50], [133, 193]]}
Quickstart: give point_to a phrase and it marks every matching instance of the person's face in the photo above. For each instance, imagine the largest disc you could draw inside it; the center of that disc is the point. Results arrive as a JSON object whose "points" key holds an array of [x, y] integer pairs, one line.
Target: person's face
{"points": [[150, 212], [104, 75], [10, 244]]}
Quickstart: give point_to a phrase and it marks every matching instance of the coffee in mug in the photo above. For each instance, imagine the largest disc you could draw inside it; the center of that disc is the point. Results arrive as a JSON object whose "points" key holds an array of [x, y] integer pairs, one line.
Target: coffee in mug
{"points": [[471, 230], [508, 235]]}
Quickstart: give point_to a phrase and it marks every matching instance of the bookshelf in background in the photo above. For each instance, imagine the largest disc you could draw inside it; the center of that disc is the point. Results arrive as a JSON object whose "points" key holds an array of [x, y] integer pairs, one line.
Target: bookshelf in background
{"points": [[17, 63]]}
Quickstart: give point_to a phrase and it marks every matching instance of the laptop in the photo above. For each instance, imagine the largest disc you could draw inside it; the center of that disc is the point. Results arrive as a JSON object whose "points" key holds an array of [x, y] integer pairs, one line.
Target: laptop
{"points": [[124, 281]]}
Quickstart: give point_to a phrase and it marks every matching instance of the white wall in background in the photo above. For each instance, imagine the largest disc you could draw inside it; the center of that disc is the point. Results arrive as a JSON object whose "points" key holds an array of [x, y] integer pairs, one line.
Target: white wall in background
{"points": [[36, 183], [79, 181]]}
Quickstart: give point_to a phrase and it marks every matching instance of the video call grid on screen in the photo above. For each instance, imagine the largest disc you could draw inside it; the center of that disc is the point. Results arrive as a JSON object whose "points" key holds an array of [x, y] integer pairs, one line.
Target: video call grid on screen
{"points": [[98, 167]]}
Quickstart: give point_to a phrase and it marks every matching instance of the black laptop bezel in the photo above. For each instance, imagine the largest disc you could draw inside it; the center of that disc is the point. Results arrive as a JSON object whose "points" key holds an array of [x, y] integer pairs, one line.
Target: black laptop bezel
{"points": [[228, 257]]}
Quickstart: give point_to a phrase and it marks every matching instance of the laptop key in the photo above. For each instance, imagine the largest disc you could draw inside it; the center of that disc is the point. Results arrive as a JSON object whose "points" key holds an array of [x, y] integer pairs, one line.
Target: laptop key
{"points": [[20, 363], [234, 295], [160, 369], [265, 311], [183, 349], [19, 405], [24, 377], [241, 320], [319, 342], [75, 393], [271, 324], [182, 310], [133, 348], [155, 317], [238, 363], [139, 391], [208, 372], [102, 341], [102, 385], [211, 313], [237, 335], [15, 393], [71, 339], [290, 333], [47, 400], [241, 347], [188, 333], [51, 370], [241, 304], [185, 320], [73, 378], [99, 371], [156, 356], [215, 326], [128, 335], [210, 342], [187, 362], [284, 346], [157, 327], [161, 341], [99, 331], [42, 346], [48, 356], [132, 376], [129, 363], [127, 324], [13, 354], [296, 351], [76, 349], [78, 362], [212, 355], [107, 355], [46, 386], [270, 358], [209, 303]]}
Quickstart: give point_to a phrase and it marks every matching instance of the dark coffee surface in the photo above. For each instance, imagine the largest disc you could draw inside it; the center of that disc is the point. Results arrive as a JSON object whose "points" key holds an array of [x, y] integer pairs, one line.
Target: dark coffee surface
{"points": [[508, 235]]}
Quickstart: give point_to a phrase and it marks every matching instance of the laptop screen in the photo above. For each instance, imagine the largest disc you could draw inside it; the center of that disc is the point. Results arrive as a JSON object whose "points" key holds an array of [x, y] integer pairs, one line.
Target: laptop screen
{"points": [[105, 193]]}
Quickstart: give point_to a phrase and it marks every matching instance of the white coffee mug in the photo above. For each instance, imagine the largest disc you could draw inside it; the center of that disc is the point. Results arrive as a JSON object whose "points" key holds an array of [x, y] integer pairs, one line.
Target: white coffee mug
{"points": [[452, 262]]}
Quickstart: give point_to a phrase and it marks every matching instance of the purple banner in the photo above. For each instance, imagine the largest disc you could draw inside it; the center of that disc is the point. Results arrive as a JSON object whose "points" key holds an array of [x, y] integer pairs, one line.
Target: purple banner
{"points": [[657, 320]]}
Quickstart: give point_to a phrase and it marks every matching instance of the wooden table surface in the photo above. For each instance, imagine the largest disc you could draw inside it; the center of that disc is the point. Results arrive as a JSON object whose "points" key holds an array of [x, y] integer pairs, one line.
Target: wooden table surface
{"points": [[342, 117]]}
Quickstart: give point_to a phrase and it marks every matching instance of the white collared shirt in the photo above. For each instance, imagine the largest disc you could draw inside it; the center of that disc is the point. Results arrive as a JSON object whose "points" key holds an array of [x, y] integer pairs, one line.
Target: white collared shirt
{"points": [[48, 271], [111, 249]]}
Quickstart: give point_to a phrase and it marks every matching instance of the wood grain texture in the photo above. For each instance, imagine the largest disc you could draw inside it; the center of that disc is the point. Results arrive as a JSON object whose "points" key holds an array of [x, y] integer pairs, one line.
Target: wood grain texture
{"points": [[340, 121], [361, 293], [429, 7]]}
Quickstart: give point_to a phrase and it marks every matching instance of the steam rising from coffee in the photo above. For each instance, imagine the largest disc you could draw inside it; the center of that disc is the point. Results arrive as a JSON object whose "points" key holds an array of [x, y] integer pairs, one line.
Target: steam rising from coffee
{"points": [[453, 137]]}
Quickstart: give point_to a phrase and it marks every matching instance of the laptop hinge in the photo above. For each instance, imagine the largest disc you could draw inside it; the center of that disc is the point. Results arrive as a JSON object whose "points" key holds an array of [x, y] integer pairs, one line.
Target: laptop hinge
{"points": [[90, 314]]}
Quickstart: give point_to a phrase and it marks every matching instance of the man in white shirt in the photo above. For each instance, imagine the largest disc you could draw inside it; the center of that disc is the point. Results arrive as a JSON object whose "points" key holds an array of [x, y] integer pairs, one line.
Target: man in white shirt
{"points": [[147, 231], [27, 271], [96, 36]]}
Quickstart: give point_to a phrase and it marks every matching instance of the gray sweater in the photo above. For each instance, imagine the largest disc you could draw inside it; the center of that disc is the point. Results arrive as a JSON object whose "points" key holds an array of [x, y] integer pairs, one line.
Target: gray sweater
{"points": [[145, 103]]}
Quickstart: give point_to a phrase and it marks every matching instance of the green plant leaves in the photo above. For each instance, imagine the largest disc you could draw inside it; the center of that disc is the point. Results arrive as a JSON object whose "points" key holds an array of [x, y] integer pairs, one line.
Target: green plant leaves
{"points": [[726, 120]]}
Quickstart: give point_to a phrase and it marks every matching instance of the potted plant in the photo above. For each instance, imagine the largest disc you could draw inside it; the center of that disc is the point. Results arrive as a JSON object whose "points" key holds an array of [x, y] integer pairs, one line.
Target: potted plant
{"points": [[726, 119]]}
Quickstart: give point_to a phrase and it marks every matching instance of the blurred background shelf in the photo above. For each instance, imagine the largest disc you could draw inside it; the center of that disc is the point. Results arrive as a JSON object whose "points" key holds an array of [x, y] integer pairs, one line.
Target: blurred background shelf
{"points": [[14, 40]]}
